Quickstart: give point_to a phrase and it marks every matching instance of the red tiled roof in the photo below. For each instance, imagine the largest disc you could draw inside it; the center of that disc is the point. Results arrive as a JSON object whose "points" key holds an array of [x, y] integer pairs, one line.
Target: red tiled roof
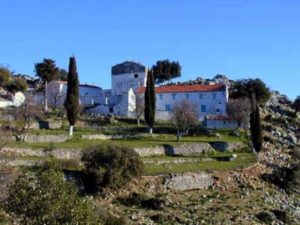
{"points": [[185, 88]]}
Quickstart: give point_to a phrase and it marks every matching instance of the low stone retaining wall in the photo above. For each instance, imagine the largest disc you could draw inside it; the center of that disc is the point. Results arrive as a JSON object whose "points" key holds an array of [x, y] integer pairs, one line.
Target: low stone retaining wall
{"points": [[59, 153], [112, 137], [189, 181], [46, 138], [228, 146], [184, 149], [67, 154]]}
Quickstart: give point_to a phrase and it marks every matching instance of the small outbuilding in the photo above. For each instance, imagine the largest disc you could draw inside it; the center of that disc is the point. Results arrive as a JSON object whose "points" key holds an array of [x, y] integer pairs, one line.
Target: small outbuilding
{"points": [[219, 122]]}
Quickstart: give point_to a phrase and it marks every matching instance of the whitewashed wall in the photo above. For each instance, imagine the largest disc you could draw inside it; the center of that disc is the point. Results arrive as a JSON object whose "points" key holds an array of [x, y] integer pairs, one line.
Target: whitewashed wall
{"points": [[126, 104], [221, 124], [213, 105], [123, 82], [88, 95]]}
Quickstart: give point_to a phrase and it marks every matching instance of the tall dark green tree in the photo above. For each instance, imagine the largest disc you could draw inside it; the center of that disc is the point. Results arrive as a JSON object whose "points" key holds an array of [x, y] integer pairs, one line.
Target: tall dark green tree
{"points": [[255, 125], [165, 70], [47, 71], [150, 101], [72, 98]]}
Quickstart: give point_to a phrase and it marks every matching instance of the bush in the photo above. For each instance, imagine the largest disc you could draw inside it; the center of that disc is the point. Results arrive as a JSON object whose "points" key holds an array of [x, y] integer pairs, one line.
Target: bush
{"points": [[45, 198], [110, 166]]}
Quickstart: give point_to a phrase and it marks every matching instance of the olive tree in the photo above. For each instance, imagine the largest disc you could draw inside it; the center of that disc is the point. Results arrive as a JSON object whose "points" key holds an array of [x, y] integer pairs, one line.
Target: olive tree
{"points": [[47, 71], [110, 166], [5, 76], [184, 115], [239, 109]]}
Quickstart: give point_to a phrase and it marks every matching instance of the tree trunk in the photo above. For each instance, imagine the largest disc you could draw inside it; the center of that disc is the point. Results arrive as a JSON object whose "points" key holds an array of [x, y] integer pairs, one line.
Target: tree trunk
{"points": [[238, 126], [138, 122], [150, 130], [71, 130], [178, 136], [256, 153], [46, 96]]}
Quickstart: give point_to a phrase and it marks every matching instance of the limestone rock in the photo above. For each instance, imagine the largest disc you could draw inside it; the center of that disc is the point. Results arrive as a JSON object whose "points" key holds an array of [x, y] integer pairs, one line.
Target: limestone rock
{"points": [[189, 181]]}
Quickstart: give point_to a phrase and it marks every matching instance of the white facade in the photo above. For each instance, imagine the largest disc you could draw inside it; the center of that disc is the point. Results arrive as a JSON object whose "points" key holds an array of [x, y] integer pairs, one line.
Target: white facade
{"points": [[123, 82], [220, 122], [208, 99], [120, 105], [89, 95], [127, 75]]}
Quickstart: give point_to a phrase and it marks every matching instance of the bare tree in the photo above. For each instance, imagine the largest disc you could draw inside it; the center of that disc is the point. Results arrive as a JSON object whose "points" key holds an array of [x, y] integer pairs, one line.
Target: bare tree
{"points": [[23, 116], [184, 116], [239, 109], [55, 100], [139, 107]]}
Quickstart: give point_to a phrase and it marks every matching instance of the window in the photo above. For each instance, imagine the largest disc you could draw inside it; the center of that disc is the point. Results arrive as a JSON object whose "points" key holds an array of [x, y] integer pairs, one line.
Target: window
{"points": [[136, 75], [173, 96], [160, 96], [201, 96], [168, 107], [187, 96], [214, 96], [203, 108]]}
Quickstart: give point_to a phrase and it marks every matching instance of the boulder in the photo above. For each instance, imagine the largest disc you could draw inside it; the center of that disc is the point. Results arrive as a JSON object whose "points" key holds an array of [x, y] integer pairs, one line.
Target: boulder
{"points": [[189, 181]]}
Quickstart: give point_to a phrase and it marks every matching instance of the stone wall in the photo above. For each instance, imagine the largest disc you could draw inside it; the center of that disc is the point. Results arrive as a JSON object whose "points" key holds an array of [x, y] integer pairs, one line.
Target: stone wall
{"points": [[112, 137], [46, 138], [228, 146], [184, 149], [69, 154], [150, 151], [59, 153]]}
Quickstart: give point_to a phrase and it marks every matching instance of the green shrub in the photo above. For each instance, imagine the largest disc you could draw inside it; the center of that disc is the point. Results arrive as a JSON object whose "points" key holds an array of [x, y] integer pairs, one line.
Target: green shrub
{"points": [[45, 198], [110, 166]]}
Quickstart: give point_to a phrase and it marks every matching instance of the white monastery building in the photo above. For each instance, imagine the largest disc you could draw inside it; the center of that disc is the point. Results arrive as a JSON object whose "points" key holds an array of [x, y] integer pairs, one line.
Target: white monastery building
{"points": [[128, 79], [209, 99]]}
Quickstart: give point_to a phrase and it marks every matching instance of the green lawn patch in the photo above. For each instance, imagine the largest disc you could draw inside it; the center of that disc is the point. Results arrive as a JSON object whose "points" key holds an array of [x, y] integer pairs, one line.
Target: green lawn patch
{"points": [[243, 160]]}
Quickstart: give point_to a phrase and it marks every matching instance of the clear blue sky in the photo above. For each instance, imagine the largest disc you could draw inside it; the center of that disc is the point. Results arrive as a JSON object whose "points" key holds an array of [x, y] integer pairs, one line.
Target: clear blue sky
{"points": [[239, 38]]}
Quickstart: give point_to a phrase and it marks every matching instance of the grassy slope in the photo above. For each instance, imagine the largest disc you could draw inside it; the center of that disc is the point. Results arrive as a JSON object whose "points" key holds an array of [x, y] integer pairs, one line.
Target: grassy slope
{"points": [[157, 140]]}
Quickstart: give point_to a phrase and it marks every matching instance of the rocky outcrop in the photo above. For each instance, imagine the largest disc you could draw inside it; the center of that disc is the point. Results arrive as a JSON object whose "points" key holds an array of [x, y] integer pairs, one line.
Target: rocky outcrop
{"points": [[189, 181]]}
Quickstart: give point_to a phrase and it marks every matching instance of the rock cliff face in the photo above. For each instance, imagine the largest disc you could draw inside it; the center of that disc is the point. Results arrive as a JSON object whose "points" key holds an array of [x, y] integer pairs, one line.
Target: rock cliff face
{"points": [[280, 121]]}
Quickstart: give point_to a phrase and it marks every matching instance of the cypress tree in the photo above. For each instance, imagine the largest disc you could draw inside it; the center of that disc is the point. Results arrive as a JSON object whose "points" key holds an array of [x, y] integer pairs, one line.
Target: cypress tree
{"points": [[72, 100], [255, 126], [150, 101]]}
